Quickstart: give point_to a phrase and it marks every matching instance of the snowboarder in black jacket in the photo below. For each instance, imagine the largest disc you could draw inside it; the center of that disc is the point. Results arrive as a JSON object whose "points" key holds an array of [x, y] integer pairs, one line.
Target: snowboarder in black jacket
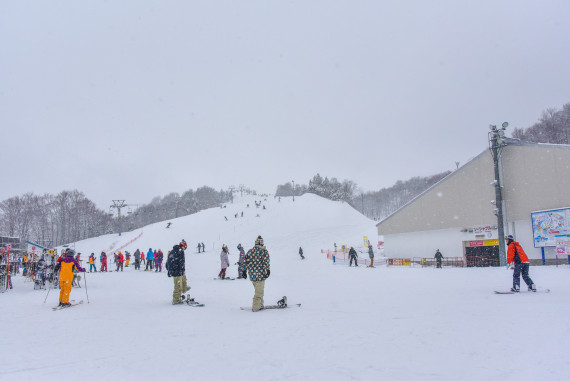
{"points": [[353, 256], [176, 267], [438, 258], [301, 252]]}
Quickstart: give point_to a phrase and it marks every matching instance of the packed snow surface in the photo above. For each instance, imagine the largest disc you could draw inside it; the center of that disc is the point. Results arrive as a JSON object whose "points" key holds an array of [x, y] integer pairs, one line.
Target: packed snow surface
{"points": [[383, 323]]}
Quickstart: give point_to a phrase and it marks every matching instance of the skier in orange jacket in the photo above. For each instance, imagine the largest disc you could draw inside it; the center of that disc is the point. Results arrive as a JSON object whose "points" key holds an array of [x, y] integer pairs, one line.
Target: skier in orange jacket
{"points": [[66, 267], [516, 254]]}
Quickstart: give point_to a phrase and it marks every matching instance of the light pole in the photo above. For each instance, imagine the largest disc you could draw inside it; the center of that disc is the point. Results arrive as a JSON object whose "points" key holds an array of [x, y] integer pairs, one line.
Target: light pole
{"points": [[293, 189], [496, 143], [118, 204]]}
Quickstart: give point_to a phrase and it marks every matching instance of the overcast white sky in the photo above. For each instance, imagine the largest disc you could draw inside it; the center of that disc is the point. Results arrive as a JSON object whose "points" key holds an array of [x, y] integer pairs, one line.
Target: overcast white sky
{"points": [[135, 99]]}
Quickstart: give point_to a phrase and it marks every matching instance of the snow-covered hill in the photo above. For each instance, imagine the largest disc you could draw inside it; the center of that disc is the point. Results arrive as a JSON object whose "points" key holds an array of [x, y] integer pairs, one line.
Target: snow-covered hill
{"points": [[355, 323]]}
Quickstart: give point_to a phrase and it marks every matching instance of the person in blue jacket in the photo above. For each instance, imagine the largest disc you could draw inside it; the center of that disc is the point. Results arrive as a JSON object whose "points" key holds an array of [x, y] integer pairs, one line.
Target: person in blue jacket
{"points": [[149, 259]]}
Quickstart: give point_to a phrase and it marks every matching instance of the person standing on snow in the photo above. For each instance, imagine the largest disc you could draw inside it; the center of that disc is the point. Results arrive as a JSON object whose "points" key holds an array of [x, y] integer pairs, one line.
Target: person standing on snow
{"points": [[103, 259], [137, 259], [159, 258], [301, 252], [120, 261], [257, 266], [516, 255], [149, 258], [371, 254], [176, 268], [92, 262], [241, 262], [353, 256], [438, 257], [128, 258], [66, 267], [225, 262]]}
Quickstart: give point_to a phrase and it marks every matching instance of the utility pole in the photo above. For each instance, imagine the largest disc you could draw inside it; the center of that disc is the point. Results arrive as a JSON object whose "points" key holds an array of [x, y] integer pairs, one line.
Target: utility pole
{"points": [[241, 186], [496, 143], [293, 189], [118, 204]]}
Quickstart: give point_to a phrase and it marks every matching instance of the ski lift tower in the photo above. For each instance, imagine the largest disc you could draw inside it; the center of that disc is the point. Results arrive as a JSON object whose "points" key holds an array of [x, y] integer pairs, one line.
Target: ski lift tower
{"points": [[118, 204]]}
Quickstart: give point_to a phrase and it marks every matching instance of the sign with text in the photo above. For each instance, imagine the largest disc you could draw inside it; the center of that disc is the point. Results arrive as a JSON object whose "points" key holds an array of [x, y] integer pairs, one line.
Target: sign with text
{"points": [[547, 225]]}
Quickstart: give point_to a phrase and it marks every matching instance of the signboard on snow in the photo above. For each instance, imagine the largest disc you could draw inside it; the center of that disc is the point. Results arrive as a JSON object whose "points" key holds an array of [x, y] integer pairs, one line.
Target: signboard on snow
{"points": [[549, 225]]}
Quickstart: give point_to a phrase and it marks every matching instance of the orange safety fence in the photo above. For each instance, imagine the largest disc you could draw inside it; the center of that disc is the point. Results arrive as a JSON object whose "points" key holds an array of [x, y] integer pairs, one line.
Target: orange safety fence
{"points": [[341, 256]]}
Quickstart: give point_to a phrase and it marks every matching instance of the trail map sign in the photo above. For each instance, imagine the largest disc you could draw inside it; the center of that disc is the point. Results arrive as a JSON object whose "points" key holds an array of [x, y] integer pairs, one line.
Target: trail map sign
{"points": [[549, 225]]}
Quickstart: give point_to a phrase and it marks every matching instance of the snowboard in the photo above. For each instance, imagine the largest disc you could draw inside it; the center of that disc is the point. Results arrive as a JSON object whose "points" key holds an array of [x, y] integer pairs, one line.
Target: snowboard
{"points": [[64, 308], [190, 301], [281, 304], [227, 278], [545, 291]]}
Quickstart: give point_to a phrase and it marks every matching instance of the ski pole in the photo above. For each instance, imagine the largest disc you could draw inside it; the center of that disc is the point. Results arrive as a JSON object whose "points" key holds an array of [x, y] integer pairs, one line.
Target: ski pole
{"points": [[85, 279], [49, 289]]}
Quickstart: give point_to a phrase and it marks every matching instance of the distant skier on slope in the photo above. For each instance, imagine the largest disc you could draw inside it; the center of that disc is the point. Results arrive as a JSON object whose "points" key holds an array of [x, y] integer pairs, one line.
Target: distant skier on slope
{"points": [[516, 254], [438, 258], [353, 257], [371, 254], [65, 268], [257, 264], [92, 263], [301, 253]]}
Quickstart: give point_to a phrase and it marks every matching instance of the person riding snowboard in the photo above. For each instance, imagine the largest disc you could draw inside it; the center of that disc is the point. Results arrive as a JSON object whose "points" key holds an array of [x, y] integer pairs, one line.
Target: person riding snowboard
{"points": [[225, 262], [353, 257], [257, 265], [176, 268], [516, 255], [65, 268]]}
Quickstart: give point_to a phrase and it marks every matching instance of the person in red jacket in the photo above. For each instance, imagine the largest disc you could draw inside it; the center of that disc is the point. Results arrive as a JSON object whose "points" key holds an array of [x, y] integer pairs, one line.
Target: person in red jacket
{"points": [[120, 261], [516, 255]]}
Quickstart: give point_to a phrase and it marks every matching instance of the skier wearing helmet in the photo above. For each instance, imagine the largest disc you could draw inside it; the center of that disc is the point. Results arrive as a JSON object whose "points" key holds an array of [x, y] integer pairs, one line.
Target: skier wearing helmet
{"points": [[65, 268]]}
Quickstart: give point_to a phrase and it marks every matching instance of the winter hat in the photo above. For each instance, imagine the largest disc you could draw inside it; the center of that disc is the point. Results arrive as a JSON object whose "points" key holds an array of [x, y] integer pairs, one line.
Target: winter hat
{"points": [[69, 252], [259, 241]]}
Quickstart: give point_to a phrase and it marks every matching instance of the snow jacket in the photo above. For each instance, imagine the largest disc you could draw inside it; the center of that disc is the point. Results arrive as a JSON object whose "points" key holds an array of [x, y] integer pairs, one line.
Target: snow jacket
{"points": [[120, 258], [257, 263], [241, 256], [370, 252], [224, 259], [438, 255], [175, 265], [352, 252], [137, 255], [103, 258], [66, 267], [91, 260], [149, 255], [159, 256], [516, 254]]}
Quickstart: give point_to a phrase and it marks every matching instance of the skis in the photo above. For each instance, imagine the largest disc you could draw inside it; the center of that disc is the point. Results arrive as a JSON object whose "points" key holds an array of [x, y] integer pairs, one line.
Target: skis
{"points": [[66, 307], [190, 301], [227, 278], [544, 291]]}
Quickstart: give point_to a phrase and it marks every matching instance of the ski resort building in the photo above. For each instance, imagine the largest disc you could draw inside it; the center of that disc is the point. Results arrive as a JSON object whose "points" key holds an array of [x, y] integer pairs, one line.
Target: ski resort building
{"points": [[457, 215]]}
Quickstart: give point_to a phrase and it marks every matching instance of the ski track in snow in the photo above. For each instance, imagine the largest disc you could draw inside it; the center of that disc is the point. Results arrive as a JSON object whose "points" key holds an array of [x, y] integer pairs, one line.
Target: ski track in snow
{"points": [[354, 323]]}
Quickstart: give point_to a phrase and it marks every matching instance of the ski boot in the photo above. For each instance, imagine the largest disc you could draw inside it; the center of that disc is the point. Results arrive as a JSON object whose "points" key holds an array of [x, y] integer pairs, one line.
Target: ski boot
{"points": [[532, 288]]}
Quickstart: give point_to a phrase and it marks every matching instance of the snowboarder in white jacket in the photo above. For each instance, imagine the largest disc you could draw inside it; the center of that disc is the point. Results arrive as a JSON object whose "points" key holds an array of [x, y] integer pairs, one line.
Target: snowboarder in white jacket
{"points": [[225, 262]]}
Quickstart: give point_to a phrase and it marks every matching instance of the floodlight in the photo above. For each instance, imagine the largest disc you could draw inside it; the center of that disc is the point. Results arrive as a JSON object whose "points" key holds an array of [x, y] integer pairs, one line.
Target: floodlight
{"points": [[505, 125], [492, 127], [501, 133]]}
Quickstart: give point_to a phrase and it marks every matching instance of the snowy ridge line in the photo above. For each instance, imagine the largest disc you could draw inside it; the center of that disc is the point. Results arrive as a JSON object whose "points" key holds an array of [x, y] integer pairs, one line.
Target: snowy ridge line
{"points": [[128, 243]]}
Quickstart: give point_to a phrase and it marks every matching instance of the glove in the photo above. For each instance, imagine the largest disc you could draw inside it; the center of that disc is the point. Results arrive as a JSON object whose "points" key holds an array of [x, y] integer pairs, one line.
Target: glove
{"points": [[268, 272]]}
